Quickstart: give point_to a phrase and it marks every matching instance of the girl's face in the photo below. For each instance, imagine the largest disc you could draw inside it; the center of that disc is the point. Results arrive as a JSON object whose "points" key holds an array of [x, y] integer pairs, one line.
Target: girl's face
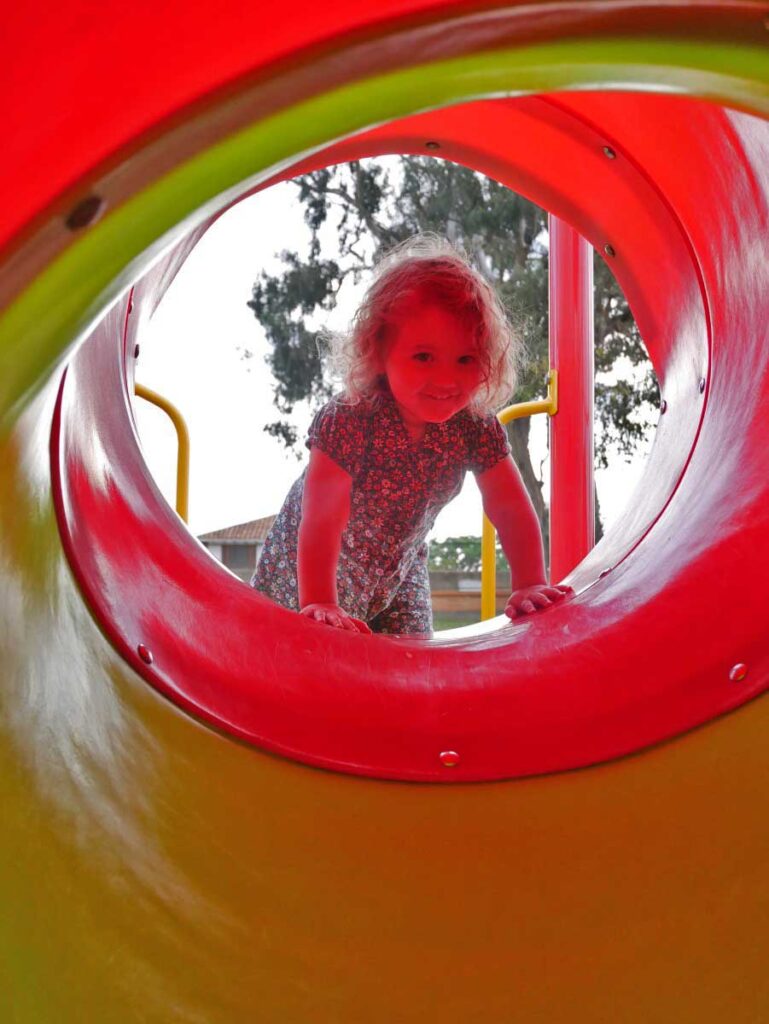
{"points": [[432, 364]]}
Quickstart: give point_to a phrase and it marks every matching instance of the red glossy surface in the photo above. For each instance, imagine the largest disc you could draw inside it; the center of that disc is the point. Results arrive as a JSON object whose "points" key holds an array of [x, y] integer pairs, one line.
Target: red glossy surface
{"points": [[638, 655], [151, 62], [572, 504], [155, 869]]}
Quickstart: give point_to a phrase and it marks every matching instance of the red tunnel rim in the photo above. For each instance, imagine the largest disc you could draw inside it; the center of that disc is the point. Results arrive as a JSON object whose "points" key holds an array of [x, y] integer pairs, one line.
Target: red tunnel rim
{"points": [[131, 655]]}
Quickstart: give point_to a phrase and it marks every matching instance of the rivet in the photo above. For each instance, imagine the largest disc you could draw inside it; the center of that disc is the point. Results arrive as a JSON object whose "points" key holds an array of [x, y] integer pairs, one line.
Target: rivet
{"points": [[609, 153], [432, 145], [136, 352], [663, 406], [702, 385], [610, 250], [449, 758], [145, 654], [738, 672], [86, 212]]}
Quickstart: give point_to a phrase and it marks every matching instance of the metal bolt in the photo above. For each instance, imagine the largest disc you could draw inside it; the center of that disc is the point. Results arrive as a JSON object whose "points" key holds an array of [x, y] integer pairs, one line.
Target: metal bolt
{"points": [[663, 406], [702, 385], [136, 352], [86, 212], [610, 250], [432, 145], [738, 672], [449, 758], [145, 654], [609, 153]]}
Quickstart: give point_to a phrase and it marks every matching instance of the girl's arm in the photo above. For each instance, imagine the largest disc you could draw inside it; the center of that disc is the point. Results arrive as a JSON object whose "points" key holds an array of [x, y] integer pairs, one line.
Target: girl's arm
{"points": [[507, 504], [325, 512]]}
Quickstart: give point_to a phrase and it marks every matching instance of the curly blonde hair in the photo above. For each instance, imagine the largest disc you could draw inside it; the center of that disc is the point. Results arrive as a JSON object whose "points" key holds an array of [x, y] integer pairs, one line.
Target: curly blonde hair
{"points": [[428, 266]]}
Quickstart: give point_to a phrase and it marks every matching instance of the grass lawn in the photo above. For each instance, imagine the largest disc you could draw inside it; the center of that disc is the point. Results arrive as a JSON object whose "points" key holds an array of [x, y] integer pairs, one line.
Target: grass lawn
{"points": [[452, 621]]}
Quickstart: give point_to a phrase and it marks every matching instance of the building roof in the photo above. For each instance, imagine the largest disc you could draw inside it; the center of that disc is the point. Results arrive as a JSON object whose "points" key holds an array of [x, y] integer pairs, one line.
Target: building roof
{"points": [[254, 531]]}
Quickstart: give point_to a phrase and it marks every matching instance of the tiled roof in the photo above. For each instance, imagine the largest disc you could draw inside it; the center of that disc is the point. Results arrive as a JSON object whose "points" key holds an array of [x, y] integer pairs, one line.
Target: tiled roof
{"points": [[256, 530]]}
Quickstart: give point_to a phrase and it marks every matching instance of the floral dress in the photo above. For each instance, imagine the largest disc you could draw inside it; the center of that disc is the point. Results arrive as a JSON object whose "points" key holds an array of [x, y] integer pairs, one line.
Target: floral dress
{"points": [[398, 488]]}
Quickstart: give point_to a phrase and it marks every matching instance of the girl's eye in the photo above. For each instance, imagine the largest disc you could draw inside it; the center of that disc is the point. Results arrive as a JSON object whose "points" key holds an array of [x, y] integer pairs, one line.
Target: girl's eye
{"points": [[422, 357]]}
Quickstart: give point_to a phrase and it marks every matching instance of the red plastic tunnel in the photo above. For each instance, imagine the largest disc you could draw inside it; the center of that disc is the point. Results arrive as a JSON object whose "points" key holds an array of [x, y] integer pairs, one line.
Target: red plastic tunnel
{"points": [[137, 827]]}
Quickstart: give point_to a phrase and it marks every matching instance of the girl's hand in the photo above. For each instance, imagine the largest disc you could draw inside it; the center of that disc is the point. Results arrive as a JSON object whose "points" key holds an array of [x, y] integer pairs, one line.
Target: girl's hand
{"points": [[333, 615], [529, 599]]}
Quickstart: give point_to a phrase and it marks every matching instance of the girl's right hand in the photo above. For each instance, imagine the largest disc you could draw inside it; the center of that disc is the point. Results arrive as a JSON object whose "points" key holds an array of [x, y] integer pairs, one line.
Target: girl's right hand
{"points": [[333, 615]]}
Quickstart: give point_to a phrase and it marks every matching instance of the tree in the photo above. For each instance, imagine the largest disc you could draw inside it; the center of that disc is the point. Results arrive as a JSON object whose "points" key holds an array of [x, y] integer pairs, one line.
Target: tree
{"points": [[462, 553], [506, 235]]}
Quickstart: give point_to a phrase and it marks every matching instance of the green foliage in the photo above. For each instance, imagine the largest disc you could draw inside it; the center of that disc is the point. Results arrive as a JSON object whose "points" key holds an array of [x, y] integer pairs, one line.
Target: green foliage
{"points": [[623, 408], [281, 306], [461, 553]]}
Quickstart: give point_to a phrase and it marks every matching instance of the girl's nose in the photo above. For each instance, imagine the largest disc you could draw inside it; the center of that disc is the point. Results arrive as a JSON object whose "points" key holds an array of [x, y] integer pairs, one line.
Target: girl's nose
{"points": [[444, 376]]}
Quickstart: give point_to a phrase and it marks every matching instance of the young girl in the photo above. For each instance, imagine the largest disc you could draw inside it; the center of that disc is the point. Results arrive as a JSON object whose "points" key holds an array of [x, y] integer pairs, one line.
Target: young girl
{"points": [[429, 358]]}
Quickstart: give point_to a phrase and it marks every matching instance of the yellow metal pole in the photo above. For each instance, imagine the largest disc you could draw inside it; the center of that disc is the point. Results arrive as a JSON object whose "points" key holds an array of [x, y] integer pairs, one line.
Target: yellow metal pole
{"points": [[183, 441], [547, 405], [488, 570]]}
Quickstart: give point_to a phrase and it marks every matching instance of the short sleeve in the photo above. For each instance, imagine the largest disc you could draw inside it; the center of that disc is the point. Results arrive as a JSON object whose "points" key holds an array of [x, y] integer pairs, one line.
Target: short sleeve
{"points": [[488, 444], [340, 431]]}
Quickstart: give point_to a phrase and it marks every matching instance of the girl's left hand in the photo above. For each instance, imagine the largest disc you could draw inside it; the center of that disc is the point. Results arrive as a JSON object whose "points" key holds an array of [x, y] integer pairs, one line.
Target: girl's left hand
{"points": [[333, 615], [529, 599]]}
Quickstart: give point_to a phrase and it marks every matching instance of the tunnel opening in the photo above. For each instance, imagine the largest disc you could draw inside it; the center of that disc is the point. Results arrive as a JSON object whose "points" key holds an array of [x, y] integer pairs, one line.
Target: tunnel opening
{"points": [[188, 354]]}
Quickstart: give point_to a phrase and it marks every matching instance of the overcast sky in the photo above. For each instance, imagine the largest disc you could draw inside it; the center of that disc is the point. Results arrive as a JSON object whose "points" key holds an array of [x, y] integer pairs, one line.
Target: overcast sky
{"points": [[191, 352]]}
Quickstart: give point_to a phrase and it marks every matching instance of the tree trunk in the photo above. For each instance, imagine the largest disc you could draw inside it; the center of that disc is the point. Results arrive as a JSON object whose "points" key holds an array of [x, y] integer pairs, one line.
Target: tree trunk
{"points": [[598, 523], [518, 433]]}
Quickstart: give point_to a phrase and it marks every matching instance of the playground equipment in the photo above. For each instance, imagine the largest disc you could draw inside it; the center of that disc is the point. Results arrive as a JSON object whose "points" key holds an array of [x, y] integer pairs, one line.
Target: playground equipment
{"points": [[171, 849], [548, 405], [182, 446]]}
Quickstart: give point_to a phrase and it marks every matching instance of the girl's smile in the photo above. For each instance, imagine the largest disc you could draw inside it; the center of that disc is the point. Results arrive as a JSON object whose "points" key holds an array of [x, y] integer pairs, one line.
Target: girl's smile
{"points": [[432, 365]]}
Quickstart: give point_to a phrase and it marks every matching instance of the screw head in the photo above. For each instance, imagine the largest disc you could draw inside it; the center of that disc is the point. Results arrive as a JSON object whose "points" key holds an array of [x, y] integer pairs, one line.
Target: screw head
{"points": [[449, 758], [432, 144], [145, 654], [86, 212], [609, 153], [738, 672], [610, 250], [663, 406]]}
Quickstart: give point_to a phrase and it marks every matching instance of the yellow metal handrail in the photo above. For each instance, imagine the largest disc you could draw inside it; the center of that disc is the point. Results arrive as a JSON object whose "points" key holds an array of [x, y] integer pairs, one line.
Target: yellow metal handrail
{"points": [[489, 534], [183, 441]]}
